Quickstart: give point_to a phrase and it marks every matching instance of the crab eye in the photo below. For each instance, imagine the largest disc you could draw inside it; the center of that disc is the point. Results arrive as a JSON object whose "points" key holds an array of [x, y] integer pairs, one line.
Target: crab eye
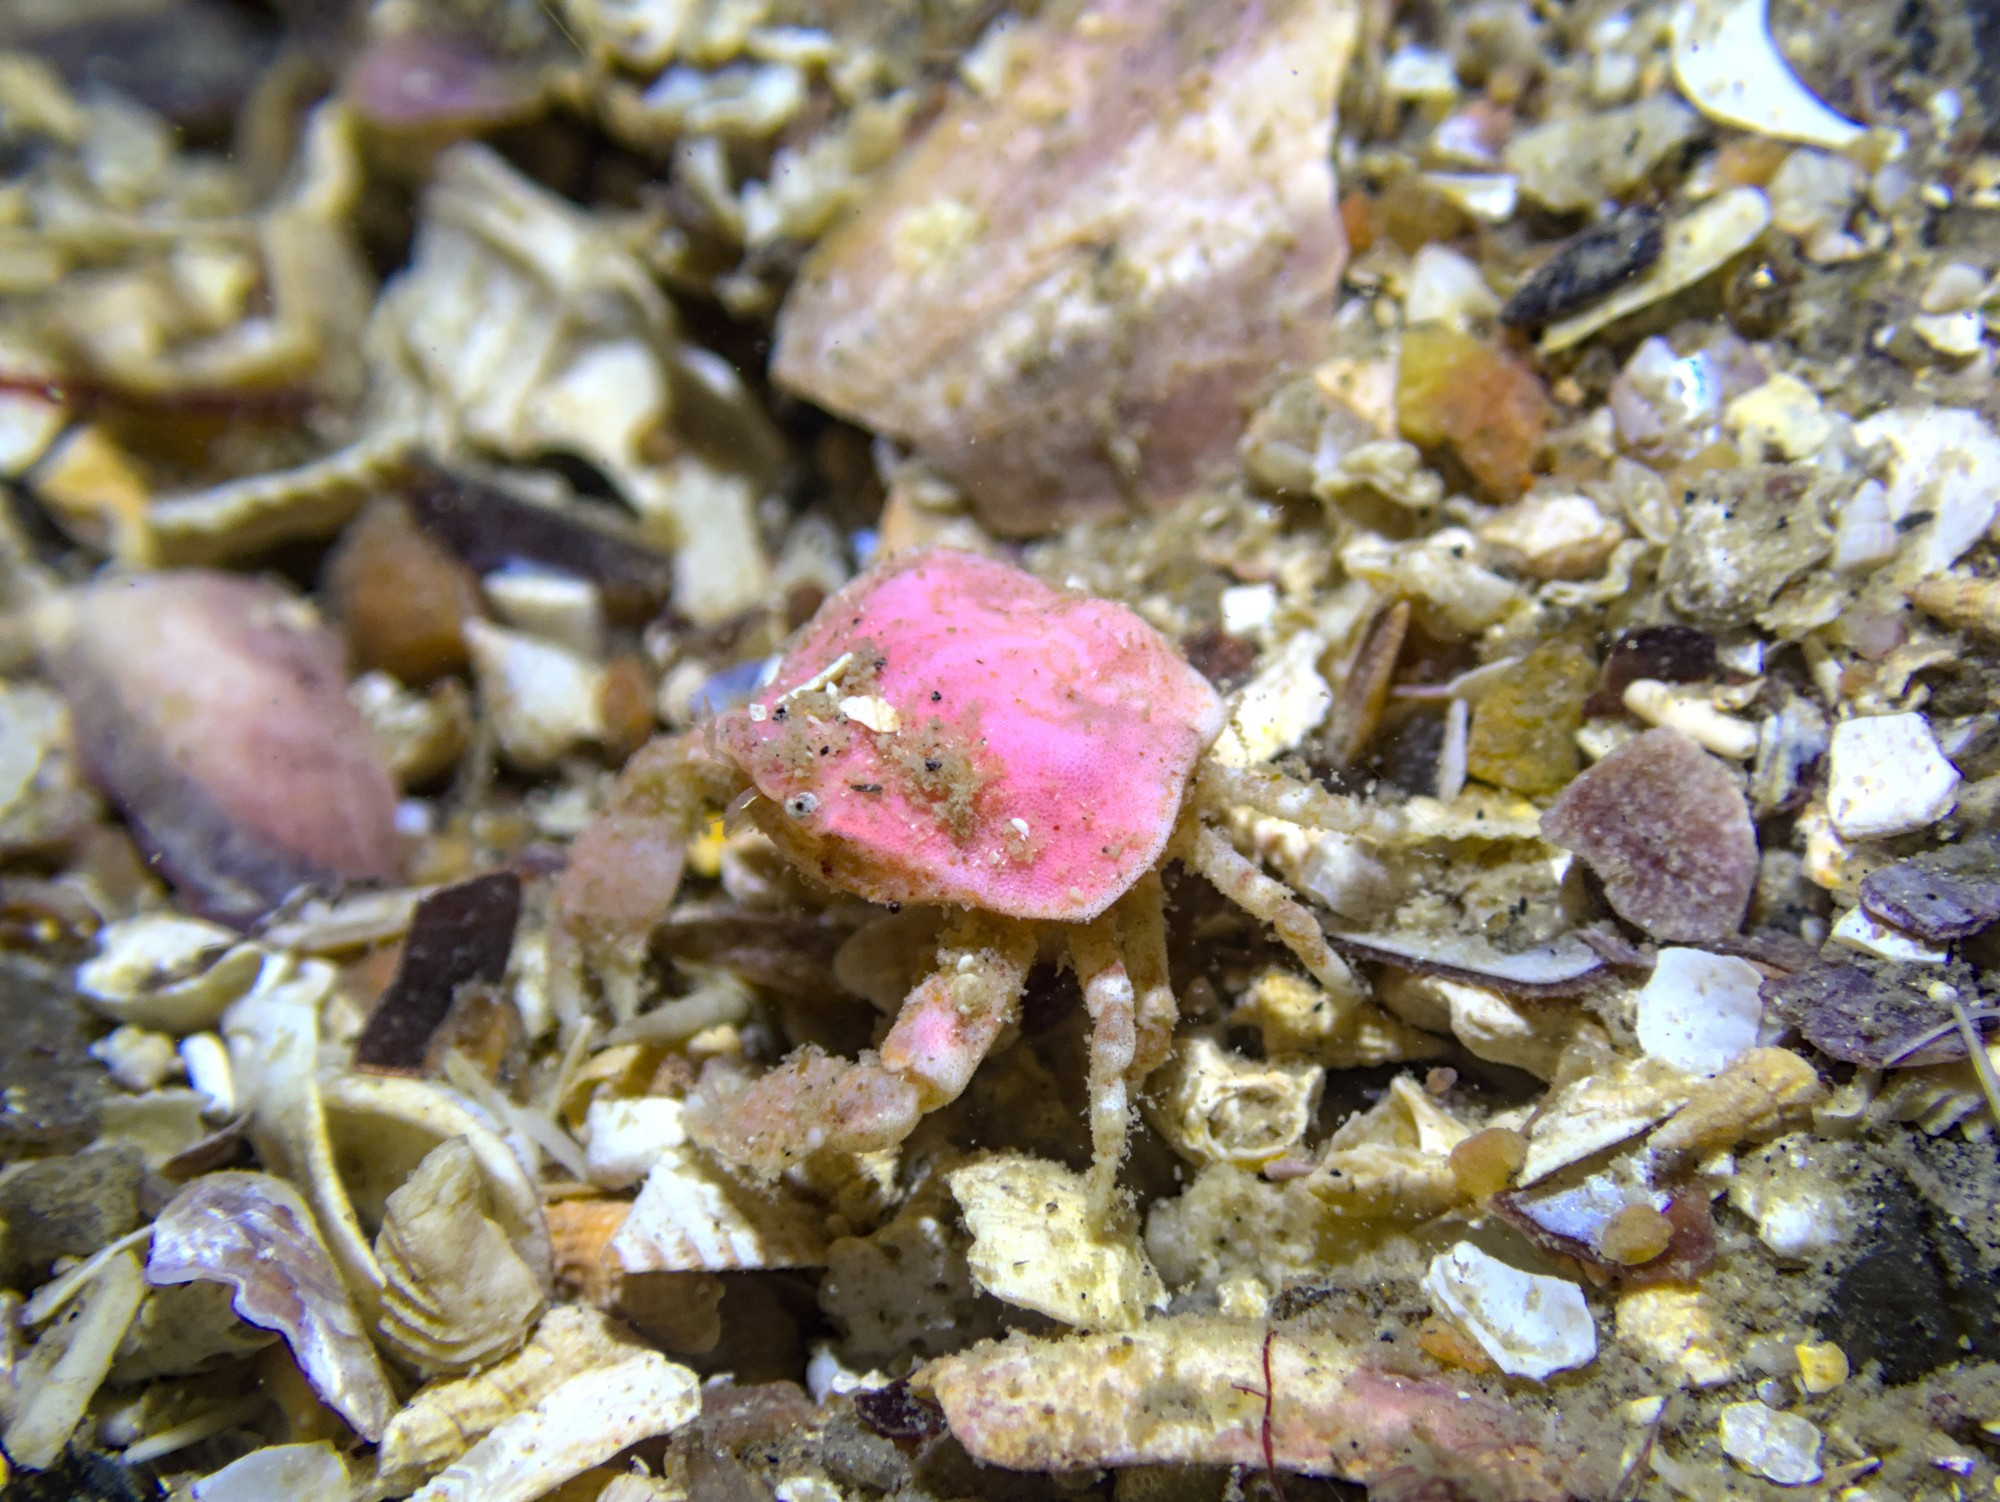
{"points": [[802, 805]]}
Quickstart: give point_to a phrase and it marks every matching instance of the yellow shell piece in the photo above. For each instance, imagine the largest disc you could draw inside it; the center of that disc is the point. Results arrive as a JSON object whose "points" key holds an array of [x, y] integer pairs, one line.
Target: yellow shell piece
{"points": [[704, 853], [1822, 1365]]}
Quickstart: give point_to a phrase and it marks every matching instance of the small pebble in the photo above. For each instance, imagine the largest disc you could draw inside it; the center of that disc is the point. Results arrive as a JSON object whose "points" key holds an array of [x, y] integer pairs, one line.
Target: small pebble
{"points": [[1886, 776], [1699, 1011], [1780, 1447], [1637, 1234], [1474, 399]]}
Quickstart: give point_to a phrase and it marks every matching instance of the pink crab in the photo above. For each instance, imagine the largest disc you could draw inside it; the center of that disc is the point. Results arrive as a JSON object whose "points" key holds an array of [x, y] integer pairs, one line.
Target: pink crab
{"points": [[950, 730]]}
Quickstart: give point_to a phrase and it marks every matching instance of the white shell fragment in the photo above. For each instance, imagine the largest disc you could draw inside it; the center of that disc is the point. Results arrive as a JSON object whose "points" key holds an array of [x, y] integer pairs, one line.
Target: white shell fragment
{"points": [[444, 1419], [1780, 1447], [1944, 460], [1278, 708], [1729, 67], [543, 699], [1698, 1011], [1600, 1108], [625, 1138], [298, 1473], [51, 1386], [692, 1217], [1036, 1242], [1887, 777], [1692, 247], [1531, 1326], [581, 1424], [1862, 930]]}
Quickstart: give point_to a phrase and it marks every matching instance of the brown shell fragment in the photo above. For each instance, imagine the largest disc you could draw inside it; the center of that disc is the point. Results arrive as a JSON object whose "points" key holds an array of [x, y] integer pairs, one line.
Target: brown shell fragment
{"points": [[1190, 1390], [460, 935], [1065, 292], [1667, 830], [401, 597], [254, 1233], [213, 711], [1942, 894]]}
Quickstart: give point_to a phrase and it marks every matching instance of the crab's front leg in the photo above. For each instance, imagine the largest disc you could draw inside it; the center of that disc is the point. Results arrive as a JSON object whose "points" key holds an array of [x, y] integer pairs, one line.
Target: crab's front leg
{"points": [[625, 867], [813, 1102]]}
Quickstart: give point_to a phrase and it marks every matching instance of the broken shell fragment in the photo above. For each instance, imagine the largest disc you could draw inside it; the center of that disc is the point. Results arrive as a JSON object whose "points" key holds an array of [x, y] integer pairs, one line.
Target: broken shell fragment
{"points": [[1219, 1107], [581, 1424], [1699, 1011], [455, 1293], [48, 1388], [1531, 1326], [1885, 776], [1760, 1092], [1693, 247], [178, 975], [1780, 1447], [690, 1216], [1941, 895], [1667, 830], [1728, 65], [213, 710], [1063, 293], [444, 1419], [1038, 1242], [253, 1232]]}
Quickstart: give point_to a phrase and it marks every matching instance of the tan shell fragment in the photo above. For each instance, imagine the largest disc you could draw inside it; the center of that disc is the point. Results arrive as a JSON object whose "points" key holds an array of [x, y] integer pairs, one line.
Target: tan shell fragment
{"points": [[1191, 1391], [1037, 1243], [455, 1292], [1758, 1093], [1392, 1160], [49, 1388], [1213, 1106], [1064, 292], [582, 1423], [1601, 1107], [445, 1419], [1964, 604], [173, 974]]}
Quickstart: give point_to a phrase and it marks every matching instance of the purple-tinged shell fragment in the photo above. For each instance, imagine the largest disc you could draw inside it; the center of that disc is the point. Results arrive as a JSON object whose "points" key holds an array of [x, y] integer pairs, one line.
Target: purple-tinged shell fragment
{"points": [[1667, 830], [1942, 894], [254, 1233], [1860, 1014], [213, 711]]}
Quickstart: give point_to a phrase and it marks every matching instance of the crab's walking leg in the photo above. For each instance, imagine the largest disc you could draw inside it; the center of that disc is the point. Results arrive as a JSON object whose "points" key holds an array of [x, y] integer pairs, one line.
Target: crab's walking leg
{"points": [[625, 867], [947, 1025], [1209, 852], [1109, 999], [1142, 921], [1270, 791]]}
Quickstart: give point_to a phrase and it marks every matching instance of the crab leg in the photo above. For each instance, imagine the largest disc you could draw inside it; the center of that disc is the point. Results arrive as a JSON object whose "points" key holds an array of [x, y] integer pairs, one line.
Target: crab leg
{"points": [[1109, 999], [625, 868], [1142, 918], [812, 1102], [1209, 852], [1271, 792]]}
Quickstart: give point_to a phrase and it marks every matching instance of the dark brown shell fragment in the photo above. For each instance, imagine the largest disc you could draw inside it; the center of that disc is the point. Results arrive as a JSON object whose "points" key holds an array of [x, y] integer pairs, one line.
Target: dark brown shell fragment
{"points": [[1942, 894], [460, 935], [1603, 257], [213, 711], [1667, 830]]}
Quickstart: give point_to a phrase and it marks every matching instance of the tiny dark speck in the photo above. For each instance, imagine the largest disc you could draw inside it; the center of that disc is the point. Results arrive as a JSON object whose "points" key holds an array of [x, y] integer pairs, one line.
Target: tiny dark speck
{"points": [[936, 697]]}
